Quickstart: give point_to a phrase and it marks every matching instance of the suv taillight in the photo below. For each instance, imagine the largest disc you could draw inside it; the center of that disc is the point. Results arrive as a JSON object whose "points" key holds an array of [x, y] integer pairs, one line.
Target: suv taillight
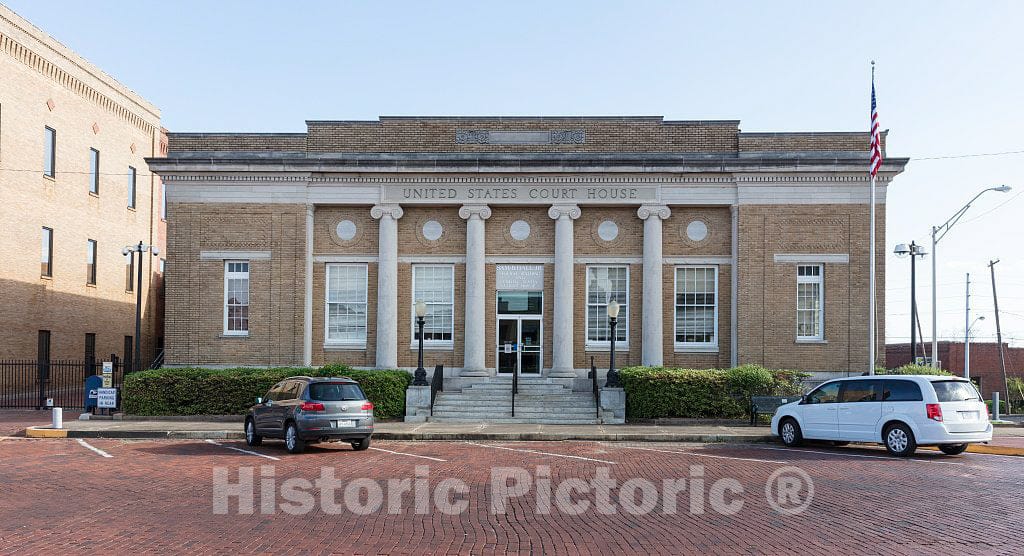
{"points": [[367, 406], [311, 406], [934, 411]]}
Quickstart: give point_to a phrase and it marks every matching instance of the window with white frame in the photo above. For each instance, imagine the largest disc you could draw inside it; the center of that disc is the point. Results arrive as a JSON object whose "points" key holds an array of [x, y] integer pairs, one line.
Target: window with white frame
{"points": [[810, 302], [605, 283], [696, 303], [236, 298], [346, 305], [435, 286]]}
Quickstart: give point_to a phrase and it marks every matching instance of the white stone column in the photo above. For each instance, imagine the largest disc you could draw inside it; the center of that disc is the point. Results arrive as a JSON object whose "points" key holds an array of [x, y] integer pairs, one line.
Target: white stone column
{"points": [[307, 316], [476, 303], [562, 365], [387, 285], [652, 348]]}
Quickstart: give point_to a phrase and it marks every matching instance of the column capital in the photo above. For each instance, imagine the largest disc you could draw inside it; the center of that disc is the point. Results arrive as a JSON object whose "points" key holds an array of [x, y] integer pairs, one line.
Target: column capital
{"points": [[379, 211], [572, 212], [467, 212], [658, 211]]}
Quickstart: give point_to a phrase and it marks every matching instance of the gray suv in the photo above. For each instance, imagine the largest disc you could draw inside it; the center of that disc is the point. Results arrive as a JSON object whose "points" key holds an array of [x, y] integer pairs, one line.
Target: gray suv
{"points": [[301, 410]]}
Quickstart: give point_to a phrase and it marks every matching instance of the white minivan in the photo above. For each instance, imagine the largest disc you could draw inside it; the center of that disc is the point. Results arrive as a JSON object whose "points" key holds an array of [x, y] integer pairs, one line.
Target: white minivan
{"points": [[900, 411]]}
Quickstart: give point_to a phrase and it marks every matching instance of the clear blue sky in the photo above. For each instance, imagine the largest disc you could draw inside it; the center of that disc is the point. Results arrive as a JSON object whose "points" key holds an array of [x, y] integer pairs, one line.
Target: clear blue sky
{"points": [[950, 82]]}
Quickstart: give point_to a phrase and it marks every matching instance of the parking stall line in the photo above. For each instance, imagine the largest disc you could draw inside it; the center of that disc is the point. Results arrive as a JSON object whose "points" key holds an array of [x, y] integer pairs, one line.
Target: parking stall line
{"points": [[94, 449], [892, 458], [696, 454], [208, 441], [538, 452], [408, 454]]}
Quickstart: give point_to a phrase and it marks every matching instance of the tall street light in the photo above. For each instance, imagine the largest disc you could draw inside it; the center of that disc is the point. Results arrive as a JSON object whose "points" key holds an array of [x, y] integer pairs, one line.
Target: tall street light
{"points": [[967, 348], [140, 248], [939, 232], [420, 378], [613, 375], [915, 251]]}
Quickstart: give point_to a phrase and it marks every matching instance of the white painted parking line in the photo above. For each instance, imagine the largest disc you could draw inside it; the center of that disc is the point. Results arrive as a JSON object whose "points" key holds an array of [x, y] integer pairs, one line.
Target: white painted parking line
{"points": [[700, 455], [540, 453], [94, 449], [408, 454], [892, 458], [243, 451]]}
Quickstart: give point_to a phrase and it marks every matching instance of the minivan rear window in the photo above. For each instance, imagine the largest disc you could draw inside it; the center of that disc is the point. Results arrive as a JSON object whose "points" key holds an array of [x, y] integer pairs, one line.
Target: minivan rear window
{"points": [[955, 391], [335, 392]]}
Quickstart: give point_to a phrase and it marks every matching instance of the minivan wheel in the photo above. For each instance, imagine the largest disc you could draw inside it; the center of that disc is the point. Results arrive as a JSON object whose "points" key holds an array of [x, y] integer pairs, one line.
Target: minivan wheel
{"points": [[251, 438], [789, 430], [292, 442], [953, 449], [899, 440], [361, 444]]}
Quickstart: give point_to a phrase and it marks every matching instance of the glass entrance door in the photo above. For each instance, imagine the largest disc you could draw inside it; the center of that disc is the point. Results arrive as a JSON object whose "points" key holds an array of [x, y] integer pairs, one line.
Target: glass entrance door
{"points": [[519, 345]]}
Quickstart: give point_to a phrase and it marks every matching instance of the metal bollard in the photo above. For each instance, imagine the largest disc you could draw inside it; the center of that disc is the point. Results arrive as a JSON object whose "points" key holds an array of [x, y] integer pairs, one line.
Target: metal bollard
{"points": [[58, 418], [995, 407]]}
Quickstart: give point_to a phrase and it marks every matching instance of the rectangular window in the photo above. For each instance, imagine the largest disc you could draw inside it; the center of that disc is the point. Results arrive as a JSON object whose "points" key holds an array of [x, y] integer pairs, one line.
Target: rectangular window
{"points": [[47, 253], [346, 305], [810, 302], [435, 286], [236, 298], [90, 263], [129, 354], [696, 302], [90, 353], [129, 272], [50, 152], [94, 171], [605, 283], [131, 186]]}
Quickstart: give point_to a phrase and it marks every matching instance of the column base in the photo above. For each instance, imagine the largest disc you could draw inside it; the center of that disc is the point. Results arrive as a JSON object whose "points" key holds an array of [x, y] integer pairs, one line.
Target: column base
{"points": [[474, 372], [562, 373]]}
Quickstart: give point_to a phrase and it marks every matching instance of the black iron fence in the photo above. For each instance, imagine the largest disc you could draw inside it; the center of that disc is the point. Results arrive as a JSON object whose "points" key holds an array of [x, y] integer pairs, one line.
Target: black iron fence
{"points": [[29, 384]]}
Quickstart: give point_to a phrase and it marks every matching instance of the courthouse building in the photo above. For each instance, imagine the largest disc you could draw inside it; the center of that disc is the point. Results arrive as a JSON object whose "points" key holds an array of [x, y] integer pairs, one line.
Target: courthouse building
{"points": [[722, 247]]}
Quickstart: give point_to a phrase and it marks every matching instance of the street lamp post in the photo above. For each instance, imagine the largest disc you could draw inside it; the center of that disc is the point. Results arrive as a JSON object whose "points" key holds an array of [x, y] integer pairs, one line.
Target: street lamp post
{"points": [[140, 248], [613, 375], [939, 232], [967, 347], [915, 251], [420, 378]]}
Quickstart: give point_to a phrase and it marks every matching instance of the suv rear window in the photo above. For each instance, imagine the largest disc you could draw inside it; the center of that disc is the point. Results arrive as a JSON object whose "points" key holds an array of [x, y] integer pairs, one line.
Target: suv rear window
{"points": [[335, 392], [955, 391]]}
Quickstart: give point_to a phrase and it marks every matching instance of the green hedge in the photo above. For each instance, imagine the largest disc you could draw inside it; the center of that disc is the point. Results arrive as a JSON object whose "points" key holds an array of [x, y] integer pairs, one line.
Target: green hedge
{"points": [[913, 370], [197, 391], [654, 392]]}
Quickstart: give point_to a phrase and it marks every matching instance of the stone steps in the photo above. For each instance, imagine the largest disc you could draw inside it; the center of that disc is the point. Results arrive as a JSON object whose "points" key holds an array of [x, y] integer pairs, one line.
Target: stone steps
{"points": [[539, 401]]}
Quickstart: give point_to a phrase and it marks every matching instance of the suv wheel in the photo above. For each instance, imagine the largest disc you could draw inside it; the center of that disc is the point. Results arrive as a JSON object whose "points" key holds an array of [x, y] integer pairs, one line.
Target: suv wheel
{"points": [[251, 438], [899, 440], [292, 442], [362, 444], [789, 430], [953, 449]]}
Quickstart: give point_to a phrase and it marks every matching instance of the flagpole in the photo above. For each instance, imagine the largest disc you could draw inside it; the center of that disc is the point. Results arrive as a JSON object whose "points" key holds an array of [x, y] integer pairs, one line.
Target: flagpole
{"points": [[872, 348]]}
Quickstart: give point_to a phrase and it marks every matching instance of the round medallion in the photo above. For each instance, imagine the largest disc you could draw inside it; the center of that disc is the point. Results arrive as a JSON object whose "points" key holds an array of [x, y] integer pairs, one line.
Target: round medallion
{"points": [[608, 230], [432, 230], [519, 230], [697, 230], [346, 230]]}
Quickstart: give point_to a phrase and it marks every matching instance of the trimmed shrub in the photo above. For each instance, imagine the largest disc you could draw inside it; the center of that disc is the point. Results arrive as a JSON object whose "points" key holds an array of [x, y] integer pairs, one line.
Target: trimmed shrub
{"points": [[914, 370], [653, 392], [198, 391]]}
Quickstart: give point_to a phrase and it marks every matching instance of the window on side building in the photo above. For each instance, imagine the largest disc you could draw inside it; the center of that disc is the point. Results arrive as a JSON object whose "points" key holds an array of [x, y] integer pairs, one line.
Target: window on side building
{"points": [[435, 286], [131, 186], [810, 302], [236, 298], [129, 272], [696, 304], [605, 283], [94, 171], [47, 253], [90, 262], [50, 152], [346, 305]]}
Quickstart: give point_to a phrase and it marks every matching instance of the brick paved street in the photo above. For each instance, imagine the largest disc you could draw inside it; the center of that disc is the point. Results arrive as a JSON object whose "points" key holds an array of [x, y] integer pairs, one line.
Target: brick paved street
{"points": [[61, 496]]}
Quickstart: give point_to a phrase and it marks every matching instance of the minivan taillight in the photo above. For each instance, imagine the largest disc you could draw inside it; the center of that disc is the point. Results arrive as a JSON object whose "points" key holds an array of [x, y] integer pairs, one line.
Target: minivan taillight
{"points": [[368, 406], [934, 411], [311, 406]]}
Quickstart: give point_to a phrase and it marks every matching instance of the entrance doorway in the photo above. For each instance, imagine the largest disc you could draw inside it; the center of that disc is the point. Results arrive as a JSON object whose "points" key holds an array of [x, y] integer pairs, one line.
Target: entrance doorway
{"points": [[520, 333]]}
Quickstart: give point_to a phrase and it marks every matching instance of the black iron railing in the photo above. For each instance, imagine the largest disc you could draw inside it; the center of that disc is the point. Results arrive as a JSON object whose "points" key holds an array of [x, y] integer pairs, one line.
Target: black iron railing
{"points": [[436, 385], [29, 383], [597, 389], [158, 361], [515, 389]]}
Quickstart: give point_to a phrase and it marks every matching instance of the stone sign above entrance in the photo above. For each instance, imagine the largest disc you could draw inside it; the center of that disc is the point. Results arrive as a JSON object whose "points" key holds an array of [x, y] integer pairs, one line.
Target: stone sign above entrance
{"points": [[519, 277], [513, 194]]}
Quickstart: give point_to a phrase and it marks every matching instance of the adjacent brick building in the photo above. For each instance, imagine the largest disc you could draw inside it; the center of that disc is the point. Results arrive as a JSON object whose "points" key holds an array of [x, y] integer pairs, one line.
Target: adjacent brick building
{"points": [[75, 189], [309, 248], [985, 368]]}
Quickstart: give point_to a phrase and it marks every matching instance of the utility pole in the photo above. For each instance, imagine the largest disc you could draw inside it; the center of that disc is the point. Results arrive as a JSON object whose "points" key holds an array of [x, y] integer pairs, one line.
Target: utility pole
{"points": [[967, 331], [999, 335]]}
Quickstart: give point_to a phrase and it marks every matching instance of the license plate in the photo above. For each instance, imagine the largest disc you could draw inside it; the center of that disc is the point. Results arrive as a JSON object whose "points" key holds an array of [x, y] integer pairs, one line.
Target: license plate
{"points": [[343, 424], [969, 415]]}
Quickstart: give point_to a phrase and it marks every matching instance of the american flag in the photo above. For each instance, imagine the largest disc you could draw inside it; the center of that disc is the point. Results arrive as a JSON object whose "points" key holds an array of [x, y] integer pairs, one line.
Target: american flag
{"points": [[876, 136]]}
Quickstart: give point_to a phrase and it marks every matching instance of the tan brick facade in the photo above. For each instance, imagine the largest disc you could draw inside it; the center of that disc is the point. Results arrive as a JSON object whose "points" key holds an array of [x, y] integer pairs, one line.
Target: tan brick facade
{"points": [[44, 84]]}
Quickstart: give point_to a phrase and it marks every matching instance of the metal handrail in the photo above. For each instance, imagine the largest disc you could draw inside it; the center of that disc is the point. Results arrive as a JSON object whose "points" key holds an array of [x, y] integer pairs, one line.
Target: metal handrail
{"points": [[597, 390], [515, 389], [158, 361], [436, 385]]}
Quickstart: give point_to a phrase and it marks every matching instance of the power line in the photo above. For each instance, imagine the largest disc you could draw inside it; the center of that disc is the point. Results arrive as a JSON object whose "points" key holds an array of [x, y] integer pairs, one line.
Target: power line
{"points": [[975, 155]]}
